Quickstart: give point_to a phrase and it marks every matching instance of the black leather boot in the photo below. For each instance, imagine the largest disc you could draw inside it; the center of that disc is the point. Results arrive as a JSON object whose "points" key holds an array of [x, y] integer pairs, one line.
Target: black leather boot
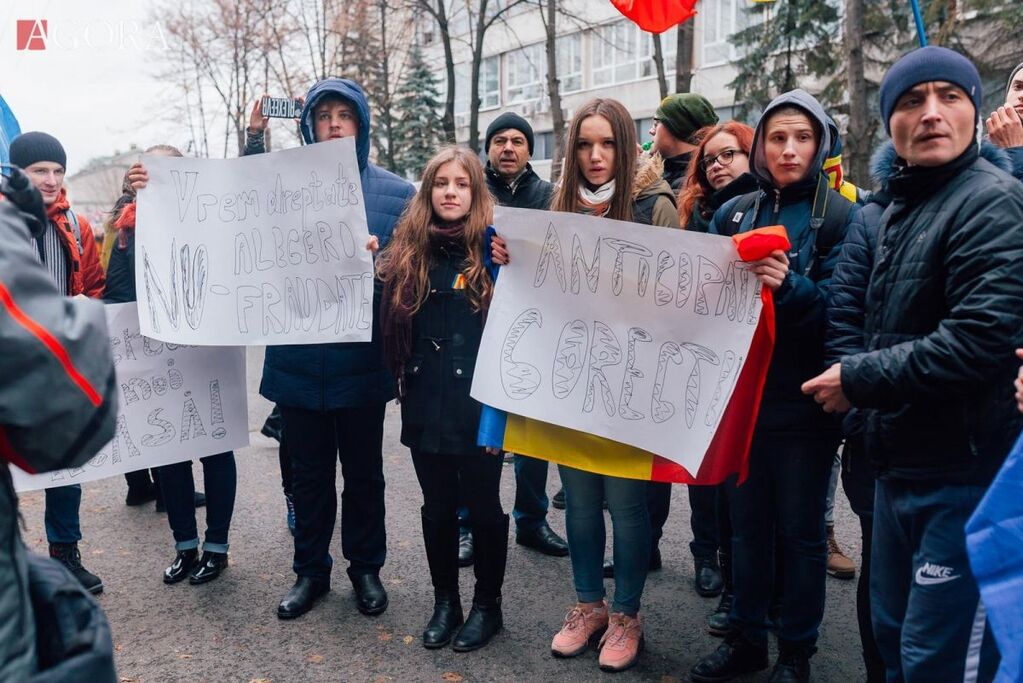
{"points": [[440, 537], [482, 624], [485, 618], [447, 618], [717, 622], [733, 658], [793, 665], [182, 565]]}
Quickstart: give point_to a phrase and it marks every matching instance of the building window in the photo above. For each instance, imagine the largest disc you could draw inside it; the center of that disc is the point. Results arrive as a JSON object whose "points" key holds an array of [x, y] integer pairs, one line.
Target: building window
{"points": [[489, 85], [722, 19], [621, 52], [569, 51], [543, 146], [526, 73]]}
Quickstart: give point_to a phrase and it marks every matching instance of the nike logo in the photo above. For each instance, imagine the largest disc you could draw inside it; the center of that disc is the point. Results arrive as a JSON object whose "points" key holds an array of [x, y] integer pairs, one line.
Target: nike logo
{"points": [[933, 574]]}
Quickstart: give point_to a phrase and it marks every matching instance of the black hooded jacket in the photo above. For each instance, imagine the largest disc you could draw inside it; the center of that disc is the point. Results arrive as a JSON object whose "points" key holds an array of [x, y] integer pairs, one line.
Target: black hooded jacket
{"points": [[926, 321]]}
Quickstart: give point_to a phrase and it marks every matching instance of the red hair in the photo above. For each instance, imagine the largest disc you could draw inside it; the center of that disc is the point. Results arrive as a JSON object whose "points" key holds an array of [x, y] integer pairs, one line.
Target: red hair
{"points": [[696, 185]]}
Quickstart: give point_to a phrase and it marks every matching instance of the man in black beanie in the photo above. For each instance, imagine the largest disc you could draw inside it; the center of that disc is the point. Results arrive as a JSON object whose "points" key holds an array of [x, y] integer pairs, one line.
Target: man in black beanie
{"points": [[513, 182], [943, 312]]}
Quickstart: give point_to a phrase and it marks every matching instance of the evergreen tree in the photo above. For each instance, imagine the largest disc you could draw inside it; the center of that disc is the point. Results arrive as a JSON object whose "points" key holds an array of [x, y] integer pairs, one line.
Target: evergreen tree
{"points": [[788, 44], [418, 131]]}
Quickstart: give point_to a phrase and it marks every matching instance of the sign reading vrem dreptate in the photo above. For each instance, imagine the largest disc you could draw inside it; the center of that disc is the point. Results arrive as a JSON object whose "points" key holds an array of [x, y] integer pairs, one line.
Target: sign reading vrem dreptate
{"points": [[264, 249], [630, 332]]}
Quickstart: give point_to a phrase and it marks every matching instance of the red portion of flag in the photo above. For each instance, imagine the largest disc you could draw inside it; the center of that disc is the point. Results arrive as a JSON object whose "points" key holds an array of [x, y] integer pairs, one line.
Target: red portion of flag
{"points": [[656, 16], [728, 452], [761, 242]]}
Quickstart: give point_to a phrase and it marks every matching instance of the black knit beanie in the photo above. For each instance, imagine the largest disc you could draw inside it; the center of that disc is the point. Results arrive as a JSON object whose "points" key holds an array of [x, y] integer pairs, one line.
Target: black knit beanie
{"points": [[508, 120], [28, 148]]}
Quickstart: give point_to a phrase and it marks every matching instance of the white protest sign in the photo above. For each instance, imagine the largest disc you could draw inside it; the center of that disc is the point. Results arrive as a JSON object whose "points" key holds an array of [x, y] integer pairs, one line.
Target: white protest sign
{"points": [[264, 249], [630, 332], [175, 403]]}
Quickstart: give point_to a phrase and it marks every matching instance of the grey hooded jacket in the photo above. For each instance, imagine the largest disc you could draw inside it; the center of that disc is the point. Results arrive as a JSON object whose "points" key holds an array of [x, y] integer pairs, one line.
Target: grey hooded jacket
{"points": [[57, 408]]}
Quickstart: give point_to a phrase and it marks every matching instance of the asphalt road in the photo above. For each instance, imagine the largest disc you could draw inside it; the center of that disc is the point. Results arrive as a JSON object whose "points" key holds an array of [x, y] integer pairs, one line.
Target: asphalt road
{"points": [[228, 630]]}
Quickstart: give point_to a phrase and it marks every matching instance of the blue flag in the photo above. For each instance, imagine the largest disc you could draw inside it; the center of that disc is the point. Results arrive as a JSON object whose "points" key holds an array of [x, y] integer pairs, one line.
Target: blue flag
{"points": [[9, 129], [994, 539]]}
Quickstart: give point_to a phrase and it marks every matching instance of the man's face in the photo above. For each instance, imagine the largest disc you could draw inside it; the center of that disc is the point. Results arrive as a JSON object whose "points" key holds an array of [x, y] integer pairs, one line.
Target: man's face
{"points": [[666, 144], [333, 119], [48, 178], [509, 152], [1015, 97], [790, 147], [932, 123]]}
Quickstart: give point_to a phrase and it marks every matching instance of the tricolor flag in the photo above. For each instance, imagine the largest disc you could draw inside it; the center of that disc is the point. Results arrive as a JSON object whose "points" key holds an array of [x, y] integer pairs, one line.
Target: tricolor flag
{"points": [[729, 449]]}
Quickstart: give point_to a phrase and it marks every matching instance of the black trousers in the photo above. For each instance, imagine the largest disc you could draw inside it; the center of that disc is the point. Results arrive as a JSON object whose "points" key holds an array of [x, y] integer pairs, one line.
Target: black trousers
{"points": [[703, 501], [474, 479], [316, 441]]}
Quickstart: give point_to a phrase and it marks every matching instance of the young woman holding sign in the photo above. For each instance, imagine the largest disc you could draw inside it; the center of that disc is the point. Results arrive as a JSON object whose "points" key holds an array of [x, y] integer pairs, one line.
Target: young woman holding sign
{"points": [[603, 175], [436, 293], [175, 480]]}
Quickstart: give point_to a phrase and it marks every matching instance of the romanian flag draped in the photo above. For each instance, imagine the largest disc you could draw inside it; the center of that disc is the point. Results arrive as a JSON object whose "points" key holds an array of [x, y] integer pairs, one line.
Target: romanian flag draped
{"points": [[729, 449]]}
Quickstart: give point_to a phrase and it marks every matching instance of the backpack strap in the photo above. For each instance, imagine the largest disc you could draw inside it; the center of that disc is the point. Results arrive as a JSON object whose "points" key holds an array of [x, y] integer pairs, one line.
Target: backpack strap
{"points": [[72, 220], [829, 215]]}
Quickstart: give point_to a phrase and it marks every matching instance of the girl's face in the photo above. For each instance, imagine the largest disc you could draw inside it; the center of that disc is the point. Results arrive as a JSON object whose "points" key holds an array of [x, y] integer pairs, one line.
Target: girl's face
{"points": [[595, 150], [723, 160], [451, 194]]}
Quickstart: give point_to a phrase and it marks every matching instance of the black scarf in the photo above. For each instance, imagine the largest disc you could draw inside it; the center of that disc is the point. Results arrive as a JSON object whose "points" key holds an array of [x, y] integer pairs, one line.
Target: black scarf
{"points": [[913, 185]]}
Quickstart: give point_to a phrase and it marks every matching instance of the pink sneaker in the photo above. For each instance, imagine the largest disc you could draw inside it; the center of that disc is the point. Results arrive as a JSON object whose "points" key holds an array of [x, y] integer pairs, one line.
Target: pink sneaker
{"points": [[582, 624], [622, 642]]}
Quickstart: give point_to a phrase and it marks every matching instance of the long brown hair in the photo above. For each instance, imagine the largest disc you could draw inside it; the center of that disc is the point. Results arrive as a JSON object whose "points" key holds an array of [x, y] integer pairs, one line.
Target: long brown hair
{"points": [[696, 185], [405, 263], [624, 130]]}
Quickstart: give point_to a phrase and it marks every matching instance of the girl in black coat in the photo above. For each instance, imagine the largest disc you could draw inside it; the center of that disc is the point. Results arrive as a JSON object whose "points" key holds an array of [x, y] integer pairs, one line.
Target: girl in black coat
{"points": [[436, 293]]}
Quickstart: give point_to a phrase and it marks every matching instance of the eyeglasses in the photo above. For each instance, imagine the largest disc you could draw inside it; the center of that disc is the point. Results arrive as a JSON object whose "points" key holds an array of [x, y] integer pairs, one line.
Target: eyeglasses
{"points": [[724, 158]]}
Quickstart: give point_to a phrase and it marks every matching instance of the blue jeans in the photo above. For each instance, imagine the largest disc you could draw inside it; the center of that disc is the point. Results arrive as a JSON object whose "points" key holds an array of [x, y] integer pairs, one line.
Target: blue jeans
{"points": [[929, 621], [220, 477], [829, 510], [783, 498], [531, 502], [584, 521], [61, 518]]}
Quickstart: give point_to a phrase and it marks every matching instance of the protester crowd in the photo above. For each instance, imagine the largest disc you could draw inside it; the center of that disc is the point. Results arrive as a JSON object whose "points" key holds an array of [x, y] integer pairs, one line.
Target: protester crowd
{"points": [[898, 310]]}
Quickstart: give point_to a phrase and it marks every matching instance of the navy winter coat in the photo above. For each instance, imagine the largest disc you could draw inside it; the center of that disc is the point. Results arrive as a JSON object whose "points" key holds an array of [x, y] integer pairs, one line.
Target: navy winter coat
{"points": [[801, 300], [330, 376]]}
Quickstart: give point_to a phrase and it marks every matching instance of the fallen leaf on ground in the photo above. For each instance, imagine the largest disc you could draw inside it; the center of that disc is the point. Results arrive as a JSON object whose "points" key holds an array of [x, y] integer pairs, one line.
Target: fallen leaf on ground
{"points": [[451, 677], [261, 680], [408, 640], [384, 636], [315, 659], [184, 656]]}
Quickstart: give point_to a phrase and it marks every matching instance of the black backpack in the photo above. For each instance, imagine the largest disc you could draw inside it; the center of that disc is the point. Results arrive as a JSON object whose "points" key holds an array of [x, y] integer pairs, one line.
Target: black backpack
{"points": [[828, 218]]}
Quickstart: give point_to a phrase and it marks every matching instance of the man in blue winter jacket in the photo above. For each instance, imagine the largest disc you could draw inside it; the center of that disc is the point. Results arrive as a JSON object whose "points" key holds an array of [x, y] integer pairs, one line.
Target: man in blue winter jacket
{"points": [[794, 441], [332, 396], [932, 381]]}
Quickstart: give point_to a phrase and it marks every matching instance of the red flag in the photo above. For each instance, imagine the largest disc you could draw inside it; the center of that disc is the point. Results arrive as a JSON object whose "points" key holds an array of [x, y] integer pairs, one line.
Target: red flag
{"points": [[656, 16]]}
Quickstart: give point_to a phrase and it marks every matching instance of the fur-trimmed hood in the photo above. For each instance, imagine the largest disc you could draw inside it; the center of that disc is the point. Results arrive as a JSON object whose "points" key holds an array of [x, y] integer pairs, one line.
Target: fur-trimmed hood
{"points": [[882, 162], [649, 179]]}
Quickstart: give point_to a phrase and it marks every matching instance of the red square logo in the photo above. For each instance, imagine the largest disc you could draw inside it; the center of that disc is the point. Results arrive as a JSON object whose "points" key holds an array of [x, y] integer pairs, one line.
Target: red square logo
{"points": [[32, 34]]}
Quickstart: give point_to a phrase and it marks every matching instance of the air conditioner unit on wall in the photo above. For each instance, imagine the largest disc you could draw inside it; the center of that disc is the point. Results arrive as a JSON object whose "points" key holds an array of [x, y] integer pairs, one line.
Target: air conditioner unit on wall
{"points": [[461, 120]]}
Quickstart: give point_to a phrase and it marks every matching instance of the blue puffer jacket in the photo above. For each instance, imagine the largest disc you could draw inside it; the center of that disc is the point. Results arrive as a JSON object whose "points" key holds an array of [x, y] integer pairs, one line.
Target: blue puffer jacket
{"points": [[852, 272], [800, 302], [330, 376]]}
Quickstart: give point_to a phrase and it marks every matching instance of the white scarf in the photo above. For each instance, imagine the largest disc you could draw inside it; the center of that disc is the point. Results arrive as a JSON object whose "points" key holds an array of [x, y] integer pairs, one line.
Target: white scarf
{"points": [[600, 195]]}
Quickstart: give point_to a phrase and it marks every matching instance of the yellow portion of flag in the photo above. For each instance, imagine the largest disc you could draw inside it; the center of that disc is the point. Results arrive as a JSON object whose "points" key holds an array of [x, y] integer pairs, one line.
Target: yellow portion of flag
{"points": [[580, 450]]}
